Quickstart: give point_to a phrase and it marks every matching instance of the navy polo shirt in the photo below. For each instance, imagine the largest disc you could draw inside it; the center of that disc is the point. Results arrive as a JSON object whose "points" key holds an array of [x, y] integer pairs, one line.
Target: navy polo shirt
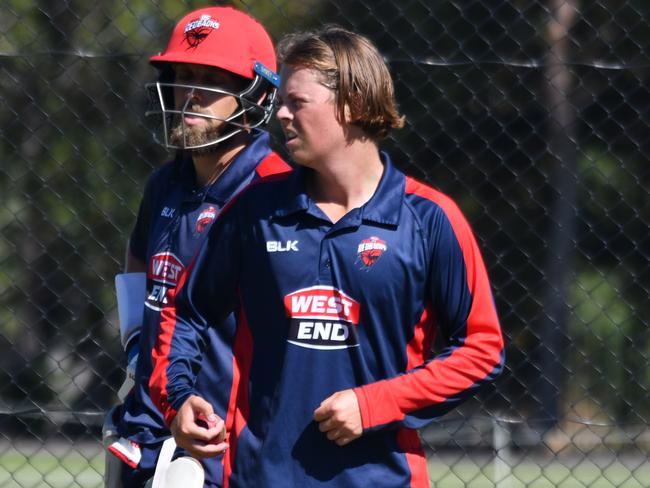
{"points": [[323, 307], [174, 219]]}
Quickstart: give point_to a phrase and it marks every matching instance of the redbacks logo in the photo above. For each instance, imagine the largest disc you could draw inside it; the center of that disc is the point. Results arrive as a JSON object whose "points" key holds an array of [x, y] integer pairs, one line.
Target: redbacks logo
{"points": [[322, 317], [197, 30], [164, 272], [369, 251], [206, 217]]}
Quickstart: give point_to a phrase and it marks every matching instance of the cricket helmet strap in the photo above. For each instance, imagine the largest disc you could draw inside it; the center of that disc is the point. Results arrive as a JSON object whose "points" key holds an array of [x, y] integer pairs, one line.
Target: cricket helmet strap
{"points": [[225, 38]]}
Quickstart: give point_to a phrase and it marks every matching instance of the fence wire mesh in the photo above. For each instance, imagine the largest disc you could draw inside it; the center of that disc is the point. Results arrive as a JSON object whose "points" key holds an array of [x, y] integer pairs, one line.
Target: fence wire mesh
{"points": [[534, 116]]}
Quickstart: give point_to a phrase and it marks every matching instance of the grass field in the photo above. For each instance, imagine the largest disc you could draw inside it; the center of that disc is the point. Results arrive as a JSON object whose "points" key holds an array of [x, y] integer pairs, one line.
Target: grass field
{"points": [[530, 474], [54, 464], [60, 465]]}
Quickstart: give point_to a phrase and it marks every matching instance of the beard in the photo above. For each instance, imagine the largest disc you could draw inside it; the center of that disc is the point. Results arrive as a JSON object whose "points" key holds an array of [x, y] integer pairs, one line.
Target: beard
{"points": [[196, 135]]}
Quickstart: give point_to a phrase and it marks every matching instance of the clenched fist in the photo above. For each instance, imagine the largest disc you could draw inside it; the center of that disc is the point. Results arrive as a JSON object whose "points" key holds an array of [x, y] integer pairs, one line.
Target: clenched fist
{"points": [[198, 430], [339, 417]]}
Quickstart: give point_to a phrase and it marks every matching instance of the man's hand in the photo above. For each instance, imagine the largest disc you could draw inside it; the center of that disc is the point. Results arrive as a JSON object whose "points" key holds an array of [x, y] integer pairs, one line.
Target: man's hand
{"points": [[339, 417], [198, 430]]}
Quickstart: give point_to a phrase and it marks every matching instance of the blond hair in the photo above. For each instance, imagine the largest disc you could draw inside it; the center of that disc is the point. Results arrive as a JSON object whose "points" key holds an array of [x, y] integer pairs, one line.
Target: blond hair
{"points": [[352, 67]]}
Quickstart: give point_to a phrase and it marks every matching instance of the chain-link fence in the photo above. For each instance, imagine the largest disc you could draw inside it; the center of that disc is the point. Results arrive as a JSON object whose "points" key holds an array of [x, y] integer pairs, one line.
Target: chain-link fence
{"points": [[534, 116]]}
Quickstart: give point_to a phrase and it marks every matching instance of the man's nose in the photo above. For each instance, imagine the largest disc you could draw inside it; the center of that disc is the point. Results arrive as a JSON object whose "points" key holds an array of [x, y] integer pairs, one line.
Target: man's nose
{"points": [[193, 94], [283, 113]]}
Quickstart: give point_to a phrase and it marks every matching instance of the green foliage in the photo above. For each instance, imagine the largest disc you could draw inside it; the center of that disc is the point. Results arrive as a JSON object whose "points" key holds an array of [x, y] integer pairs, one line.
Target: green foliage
{"points": [[473, 82], [76, 153]]}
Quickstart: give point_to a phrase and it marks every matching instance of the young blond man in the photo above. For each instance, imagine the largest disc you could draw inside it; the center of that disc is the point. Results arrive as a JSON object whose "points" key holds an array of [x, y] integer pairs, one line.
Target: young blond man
{"points": [[341, 275]]}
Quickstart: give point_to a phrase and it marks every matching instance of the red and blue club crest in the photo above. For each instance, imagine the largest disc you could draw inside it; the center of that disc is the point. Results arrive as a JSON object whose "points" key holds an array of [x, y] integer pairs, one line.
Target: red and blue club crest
{"points": [[369, 251], [206, 217]]}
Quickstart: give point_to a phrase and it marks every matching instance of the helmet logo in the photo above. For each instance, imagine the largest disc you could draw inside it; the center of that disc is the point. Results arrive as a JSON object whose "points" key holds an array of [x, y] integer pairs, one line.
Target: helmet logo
{"points": [[196, 31]]}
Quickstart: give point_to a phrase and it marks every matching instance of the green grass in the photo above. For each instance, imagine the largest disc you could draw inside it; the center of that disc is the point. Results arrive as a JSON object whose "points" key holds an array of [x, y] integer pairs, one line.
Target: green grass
{"points": [[44, 469], [543, 474], [64, 466]]}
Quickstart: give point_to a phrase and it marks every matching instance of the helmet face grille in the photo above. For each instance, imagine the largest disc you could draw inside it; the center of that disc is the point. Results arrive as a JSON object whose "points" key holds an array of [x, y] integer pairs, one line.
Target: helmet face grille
{"points": [[250, 114]]}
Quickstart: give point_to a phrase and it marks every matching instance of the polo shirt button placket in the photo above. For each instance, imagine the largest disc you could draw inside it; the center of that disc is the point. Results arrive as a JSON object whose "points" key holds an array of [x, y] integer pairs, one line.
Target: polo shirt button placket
{"points": [[325, 270]]}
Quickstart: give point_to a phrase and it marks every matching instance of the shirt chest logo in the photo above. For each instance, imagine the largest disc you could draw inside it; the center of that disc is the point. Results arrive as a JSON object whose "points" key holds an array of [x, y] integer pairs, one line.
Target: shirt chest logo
{"points": [[369, 251], [281, 246], [206, 217], [322, 317]]}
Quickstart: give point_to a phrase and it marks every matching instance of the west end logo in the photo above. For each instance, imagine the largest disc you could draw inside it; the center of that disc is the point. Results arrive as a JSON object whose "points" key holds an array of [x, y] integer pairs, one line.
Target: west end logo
{"points": [[322, 317], [197, 30], [164, 272], [369, 251]]}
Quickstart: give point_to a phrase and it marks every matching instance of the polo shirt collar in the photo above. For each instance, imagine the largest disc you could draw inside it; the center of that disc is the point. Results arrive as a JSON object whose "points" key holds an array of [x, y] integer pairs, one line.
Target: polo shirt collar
{"points": [[237, 175], [386, 204], [383, 208]]}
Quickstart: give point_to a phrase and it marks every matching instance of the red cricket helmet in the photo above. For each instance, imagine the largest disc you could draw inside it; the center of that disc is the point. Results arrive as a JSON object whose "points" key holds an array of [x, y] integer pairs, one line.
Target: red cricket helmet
{"points": [[221, 37], [224, 38]]}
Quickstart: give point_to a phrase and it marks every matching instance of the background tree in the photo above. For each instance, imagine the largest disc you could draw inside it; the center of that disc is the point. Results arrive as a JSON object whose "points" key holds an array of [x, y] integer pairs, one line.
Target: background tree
{"points": [[532, 115]]}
